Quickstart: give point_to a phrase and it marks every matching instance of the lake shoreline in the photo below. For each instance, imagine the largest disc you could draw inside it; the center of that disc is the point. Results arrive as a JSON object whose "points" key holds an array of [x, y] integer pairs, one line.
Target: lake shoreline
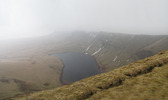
{"points": [[62, 72], [98, 69]]}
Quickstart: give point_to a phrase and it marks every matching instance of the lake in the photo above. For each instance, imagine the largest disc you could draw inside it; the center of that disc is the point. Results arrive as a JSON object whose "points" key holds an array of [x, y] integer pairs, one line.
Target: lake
{"points": [[77, 66]]}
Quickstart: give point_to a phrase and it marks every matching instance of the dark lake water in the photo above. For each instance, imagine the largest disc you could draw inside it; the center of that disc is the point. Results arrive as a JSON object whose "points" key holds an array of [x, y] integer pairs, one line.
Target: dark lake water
{"points": [[77, 66]]}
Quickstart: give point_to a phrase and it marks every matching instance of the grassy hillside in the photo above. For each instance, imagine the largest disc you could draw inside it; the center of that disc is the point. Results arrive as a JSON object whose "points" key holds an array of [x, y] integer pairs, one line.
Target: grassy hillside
{"points": [[27, 65], [144, 79], [127, 48], [19, 76]]}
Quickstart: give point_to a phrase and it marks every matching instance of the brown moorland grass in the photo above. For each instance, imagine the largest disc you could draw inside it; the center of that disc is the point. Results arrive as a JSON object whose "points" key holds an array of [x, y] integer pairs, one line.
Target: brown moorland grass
{"points": [[144, 70], [19, 76], [150, 86]]}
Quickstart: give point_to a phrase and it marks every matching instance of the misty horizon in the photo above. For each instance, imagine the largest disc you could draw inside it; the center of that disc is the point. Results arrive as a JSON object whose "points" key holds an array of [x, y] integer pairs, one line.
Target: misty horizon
{"points": [[47, 45], [29, 18]]}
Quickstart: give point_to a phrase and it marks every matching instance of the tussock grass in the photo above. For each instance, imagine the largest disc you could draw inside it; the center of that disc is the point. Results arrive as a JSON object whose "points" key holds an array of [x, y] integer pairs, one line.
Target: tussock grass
{"points": [[93, 86], [150, 86]]}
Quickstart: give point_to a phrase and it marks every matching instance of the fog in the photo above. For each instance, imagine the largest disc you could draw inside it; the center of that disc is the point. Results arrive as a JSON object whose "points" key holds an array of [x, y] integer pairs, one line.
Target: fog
{"points": [[27, 18]]}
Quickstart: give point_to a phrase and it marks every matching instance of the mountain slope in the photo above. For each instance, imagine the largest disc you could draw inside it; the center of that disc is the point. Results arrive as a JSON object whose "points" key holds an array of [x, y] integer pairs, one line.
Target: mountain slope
{"points": [[146, 78], [27, 65], [150, 86], [126, 48]]}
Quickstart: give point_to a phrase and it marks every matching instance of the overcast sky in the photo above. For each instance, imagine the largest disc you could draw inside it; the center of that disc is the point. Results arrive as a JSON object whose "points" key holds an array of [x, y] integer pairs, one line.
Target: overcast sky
{"points": [[24, 18]]}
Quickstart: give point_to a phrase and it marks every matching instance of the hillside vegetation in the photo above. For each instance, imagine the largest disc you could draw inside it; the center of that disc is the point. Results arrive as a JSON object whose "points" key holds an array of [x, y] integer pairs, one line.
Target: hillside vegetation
{"points": [[144, 79], [126, 48], [27, 65]]}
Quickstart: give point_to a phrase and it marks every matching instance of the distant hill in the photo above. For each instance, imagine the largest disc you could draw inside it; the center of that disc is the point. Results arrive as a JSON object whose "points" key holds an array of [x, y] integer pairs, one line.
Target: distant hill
{"points": [[126, 48], [143, 80], [27, 65]]}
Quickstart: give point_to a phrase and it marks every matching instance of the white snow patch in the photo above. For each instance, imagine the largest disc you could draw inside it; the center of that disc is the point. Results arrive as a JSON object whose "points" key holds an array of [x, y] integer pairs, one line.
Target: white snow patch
{"points": [[115, 58], [88, 47], [96, 52]]}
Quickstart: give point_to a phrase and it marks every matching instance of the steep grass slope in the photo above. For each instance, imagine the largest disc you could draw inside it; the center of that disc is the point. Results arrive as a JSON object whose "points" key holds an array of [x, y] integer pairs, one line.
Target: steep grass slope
{"points": [[144, 79], [150, 86]]}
